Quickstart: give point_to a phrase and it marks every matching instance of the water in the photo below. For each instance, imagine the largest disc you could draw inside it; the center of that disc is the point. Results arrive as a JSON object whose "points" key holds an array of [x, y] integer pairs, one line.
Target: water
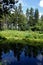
{"points": [[17, 54]]}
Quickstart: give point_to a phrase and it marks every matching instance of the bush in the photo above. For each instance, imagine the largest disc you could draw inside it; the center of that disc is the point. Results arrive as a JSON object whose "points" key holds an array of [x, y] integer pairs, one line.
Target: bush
{"points": [[2, 38]]}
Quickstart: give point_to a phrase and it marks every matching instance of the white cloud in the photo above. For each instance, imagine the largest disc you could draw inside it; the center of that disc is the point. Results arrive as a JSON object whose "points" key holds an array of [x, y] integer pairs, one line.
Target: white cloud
{"points": [[41, 3], [40, 14]]}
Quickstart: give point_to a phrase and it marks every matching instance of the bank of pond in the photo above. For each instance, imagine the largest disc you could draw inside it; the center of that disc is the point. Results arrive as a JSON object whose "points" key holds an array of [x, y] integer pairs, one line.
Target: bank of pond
{"points": [[33, 42]]}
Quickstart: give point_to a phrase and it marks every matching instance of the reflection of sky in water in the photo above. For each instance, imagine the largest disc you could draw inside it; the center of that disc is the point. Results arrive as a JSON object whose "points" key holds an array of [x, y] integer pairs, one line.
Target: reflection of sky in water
{"points": [[39, 57], [11, 60]]}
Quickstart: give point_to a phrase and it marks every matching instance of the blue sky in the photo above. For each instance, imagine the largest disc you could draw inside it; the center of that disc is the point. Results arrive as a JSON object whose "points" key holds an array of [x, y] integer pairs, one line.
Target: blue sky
{"points": [[32, 3]]}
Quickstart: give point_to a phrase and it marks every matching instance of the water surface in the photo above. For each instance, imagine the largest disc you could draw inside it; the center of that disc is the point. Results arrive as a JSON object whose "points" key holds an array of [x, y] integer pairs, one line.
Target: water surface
{"points": [[18, 54]]}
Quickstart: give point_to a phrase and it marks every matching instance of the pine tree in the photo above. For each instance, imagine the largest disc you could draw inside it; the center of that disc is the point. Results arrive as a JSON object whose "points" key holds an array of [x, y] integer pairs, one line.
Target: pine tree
{"points": [[27, 14], [36, 16], [31, 17], [5, 6]]}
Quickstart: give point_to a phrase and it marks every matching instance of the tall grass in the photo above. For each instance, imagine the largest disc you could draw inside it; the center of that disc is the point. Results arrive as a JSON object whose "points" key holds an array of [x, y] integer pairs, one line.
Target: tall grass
{"points": [[21, 34]]}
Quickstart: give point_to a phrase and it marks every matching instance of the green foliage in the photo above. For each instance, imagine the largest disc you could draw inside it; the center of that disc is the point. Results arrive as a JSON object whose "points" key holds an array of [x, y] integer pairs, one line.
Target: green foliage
{"points": [[31, 38], [42, 18], [20, 21], [21, 34], [27, 14], [20, 9], [31, 16], [36, 16]]}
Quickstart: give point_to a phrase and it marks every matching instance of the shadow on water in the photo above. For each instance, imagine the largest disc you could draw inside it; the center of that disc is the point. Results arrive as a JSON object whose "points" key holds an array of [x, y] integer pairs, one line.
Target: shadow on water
{"points": [[20, 52]]}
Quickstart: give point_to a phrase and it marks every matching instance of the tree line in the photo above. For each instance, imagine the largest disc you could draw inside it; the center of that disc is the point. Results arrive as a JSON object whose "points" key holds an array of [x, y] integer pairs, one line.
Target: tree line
{"points": [[17, 20]]}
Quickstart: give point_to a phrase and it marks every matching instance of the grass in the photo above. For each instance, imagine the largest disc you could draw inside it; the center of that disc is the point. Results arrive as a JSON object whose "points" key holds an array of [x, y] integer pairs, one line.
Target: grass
{"points": [[21, 34], [14, 36]]}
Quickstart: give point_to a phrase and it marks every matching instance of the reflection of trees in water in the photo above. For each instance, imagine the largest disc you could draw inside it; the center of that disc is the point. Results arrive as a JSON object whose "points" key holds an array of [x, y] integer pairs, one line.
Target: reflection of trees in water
{"points": [[17, 51], [5, 48], [35, 51], [41, 51], [0, 54], [27, 51], [18, 48], [31, 51]]}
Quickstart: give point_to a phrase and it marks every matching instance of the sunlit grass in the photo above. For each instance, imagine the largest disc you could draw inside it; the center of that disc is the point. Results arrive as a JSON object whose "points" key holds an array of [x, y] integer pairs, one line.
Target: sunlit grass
{"points": [[14, 36], [21, 34]]}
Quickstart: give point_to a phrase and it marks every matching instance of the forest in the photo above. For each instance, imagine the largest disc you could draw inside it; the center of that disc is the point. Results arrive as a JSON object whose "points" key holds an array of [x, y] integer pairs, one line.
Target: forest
{"points": [[12, 17], [19, 27]]}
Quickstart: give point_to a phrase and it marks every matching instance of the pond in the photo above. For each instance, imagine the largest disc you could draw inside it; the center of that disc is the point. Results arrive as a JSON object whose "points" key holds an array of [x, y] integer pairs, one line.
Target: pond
{"points": [[20, 54]]}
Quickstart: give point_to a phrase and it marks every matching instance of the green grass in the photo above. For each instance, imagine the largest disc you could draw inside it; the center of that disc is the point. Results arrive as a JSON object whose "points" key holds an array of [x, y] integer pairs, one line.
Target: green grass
{"points": [[32, 38], [21, 34]]}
